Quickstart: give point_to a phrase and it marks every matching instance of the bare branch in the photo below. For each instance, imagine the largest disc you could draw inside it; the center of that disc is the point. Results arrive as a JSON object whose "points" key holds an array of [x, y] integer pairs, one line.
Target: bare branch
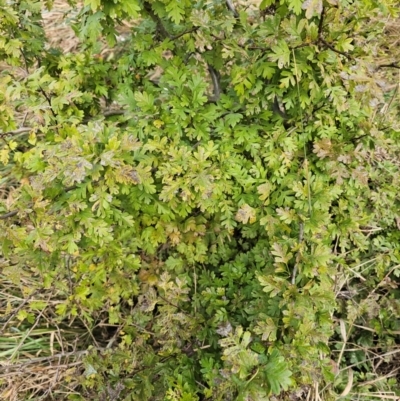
{"points": [[9, 214], [160, 27], [333, 49], [184, 33], [216, 84], [321, 22], [301, 237], [15, 132], [391, 65], [232, 8]]}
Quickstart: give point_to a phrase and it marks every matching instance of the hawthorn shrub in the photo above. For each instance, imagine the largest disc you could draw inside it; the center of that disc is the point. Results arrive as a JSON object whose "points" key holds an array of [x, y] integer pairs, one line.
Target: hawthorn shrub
{"points": [[219, 190]]}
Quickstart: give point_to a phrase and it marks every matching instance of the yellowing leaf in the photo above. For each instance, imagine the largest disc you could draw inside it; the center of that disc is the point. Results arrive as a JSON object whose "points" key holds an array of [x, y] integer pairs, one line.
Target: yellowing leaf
{"points": [[4, 155], [32, 138], [12, 145], [158, 123], [264, 190], [22, 315], [246, 214], [312, 7], [267, 329], [281, 53], [345, 45], [281, 253], [323, 148], [13, 273]]}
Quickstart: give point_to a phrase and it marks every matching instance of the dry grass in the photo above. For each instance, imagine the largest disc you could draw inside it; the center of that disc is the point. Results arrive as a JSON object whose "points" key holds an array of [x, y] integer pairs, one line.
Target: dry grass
{"points": [[38, 359], [60, 35], [58, 31], [54, 378]]}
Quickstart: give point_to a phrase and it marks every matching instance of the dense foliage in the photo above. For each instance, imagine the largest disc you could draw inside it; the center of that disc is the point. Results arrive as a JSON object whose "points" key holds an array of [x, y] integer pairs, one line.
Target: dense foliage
{"points": [[220, 191]]}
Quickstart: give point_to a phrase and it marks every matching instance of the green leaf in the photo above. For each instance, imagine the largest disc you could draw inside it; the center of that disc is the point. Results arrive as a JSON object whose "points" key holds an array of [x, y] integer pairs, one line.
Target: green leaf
{"points": [[345, 44], [281, 253], [175, 11], [272, 284], [144, 100], [267, 329], [131, 7], [94, 4], [266, 3], [277, 373], [281, 54], [295, 5], [233, 118]]}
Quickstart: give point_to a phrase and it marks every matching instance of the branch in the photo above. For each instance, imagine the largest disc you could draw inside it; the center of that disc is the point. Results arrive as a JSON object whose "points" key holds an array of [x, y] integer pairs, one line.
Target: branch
{"points": [[175, 306], [301, 237], [15, 132], [184, 33], [111, 113], [216, 84], [9, 214], [321, 21], [320, 38], [279, 109], [232, 8], [160, 27], [13, 314], [106, 113], [165, 34], [48, 99], [333, 49], [391, 65]]}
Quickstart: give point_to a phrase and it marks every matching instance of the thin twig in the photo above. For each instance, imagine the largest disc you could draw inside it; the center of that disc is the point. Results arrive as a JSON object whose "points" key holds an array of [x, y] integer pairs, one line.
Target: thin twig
{"points": [[90, 332], [160, 27], [195, 289], [24, 119], [381, 356], [232, 8], [25, 301], [185, 33], [321, 21], [391, 65], [9, 214], [216, 84], [114, 337], [48, 99], [301, 237], [111, 113], [18, 131], [175, 306], [27, 334], [333, 49]]}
